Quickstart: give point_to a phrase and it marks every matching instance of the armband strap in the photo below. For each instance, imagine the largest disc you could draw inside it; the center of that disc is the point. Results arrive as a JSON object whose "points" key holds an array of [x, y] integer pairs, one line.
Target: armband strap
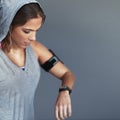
{"points": [[50, 63], [56, 56]]}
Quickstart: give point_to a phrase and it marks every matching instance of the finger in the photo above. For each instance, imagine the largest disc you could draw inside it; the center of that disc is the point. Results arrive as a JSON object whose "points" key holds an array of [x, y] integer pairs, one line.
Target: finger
{"points": [[65, 112], [61, 113], [56, 113], [69, 110]]}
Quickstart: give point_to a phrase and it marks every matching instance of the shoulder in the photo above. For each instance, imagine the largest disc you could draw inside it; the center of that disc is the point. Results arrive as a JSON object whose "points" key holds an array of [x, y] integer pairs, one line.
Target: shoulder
{"points": [[41, 51]]}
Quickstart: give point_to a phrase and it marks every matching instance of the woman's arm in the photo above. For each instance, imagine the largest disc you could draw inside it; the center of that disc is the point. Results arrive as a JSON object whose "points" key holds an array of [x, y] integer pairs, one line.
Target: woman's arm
{"points": [[63, 107]]}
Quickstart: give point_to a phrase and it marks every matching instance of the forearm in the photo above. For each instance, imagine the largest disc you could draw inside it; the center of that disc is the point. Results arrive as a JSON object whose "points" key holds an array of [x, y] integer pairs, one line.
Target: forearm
{"points": [[63, 108], [68, 79]]}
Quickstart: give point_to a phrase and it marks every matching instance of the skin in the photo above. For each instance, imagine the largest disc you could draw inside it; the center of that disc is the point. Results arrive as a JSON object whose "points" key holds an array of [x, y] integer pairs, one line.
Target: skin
{"points": [[25, 35]]}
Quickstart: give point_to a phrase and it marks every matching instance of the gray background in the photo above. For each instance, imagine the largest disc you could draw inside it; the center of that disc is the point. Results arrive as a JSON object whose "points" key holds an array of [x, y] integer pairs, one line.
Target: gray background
{"points": [[85, 34]]}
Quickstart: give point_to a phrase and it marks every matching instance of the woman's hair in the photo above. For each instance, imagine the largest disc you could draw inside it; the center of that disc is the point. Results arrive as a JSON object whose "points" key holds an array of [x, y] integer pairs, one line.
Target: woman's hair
{"points": [[27, 12], [24, 14]]}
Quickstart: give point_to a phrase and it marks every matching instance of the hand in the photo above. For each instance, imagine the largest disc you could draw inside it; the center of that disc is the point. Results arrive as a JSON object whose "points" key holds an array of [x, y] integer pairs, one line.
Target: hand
{"points": [[63, 107]]}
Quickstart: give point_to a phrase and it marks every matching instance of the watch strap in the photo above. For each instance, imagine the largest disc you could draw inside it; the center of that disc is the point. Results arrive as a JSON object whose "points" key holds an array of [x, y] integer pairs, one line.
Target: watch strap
{"points": [[65, 88]]}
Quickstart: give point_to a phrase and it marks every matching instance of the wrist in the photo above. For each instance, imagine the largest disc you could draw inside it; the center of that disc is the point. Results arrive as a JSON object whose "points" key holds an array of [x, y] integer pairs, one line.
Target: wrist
{"points": [[65, 88]]}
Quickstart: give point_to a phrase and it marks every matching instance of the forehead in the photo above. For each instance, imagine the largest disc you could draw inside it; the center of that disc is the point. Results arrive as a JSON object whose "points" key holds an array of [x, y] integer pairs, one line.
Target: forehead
{"points": [[34, 23]]}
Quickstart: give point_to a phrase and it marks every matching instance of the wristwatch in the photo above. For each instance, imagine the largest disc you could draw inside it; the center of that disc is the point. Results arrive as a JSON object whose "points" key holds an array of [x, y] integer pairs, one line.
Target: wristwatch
{"points": [[64, 88]]}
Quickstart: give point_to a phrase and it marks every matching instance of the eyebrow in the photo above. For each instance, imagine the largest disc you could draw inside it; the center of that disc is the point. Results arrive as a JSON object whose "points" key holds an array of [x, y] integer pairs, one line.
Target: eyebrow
{"points": [[31, 29]]}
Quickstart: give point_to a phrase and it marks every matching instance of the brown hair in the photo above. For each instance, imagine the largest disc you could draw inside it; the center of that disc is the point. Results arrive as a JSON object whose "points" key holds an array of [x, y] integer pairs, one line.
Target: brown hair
{"points": [[25, 13]]}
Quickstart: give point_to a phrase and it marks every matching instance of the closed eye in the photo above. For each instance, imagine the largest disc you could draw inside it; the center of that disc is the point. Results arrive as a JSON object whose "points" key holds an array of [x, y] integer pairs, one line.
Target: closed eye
{"points": [[26, 31]]}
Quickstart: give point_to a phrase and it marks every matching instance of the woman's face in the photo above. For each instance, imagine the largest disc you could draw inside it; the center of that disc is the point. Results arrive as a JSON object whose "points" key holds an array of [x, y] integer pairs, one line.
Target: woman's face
{"points": [[22, 36]]}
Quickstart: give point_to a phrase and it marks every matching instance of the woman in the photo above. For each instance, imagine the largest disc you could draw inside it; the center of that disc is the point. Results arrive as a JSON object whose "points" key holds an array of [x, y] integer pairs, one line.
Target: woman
{"points": [[20, 56]]}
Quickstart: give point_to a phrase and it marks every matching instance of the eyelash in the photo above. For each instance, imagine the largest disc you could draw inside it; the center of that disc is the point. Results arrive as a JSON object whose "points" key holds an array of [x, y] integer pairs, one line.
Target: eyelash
{"points": [[27, 32]]}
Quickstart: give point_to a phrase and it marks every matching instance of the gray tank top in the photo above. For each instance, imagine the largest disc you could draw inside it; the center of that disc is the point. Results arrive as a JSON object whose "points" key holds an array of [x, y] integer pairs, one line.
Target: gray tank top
{"points": [[17, 87]]}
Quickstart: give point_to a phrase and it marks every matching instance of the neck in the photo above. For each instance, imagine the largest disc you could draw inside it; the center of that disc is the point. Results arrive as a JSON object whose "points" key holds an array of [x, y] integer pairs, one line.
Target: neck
{"points": [[12, 49], [17, 56], [16, 51]]}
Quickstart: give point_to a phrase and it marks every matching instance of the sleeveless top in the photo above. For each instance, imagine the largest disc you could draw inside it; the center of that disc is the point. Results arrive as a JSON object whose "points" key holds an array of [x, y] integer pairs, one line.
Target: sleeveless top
{"points": [[17, 87]]}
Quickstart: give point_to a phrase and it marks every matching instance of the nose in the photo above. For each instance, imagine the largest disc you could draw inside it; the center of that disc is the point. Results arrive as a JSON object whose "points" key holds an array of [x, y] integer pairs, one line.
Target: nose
{"points": [[32, 36]]}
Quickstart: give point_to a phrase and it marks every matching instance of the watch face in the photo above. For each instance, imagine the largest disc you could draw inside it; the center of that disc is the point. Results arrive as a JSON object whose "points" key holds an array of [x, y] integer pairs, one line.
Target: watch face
{"points": [[63, 87]]}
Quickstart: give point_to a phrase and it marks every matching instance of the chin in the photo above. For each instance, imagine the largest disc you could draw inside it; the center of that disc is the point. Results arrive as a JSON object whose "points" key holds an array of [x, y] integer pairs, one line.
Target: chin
{"points": [[23, 47]]}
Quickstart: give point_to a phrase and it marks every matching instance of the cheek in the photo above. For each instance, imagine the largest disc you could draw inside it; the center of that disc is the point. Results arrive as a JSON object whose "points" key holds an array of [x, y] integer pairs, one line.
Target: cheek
{"points": [[18, 36]]}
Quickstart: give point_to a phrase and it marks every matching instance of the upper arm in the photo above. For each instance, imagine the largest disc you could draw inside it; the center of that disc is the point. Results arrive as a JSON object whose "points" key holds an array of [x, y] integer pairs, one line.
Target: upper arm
{"points": [[43, 55]]}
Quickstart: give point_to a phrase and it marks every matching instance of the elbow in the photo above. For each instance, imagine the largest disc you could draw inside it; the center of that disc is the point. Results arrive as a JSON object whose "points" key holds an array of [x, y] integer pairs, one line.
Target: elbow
{"points": [[68, 75]]}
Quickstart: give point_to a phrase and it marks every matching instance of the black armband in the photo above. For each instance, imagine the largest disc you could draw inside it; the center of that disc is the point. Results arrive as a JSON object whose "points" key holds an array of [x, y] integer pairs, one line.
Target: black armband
{"points": [[56, 56], [51, 62]]}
